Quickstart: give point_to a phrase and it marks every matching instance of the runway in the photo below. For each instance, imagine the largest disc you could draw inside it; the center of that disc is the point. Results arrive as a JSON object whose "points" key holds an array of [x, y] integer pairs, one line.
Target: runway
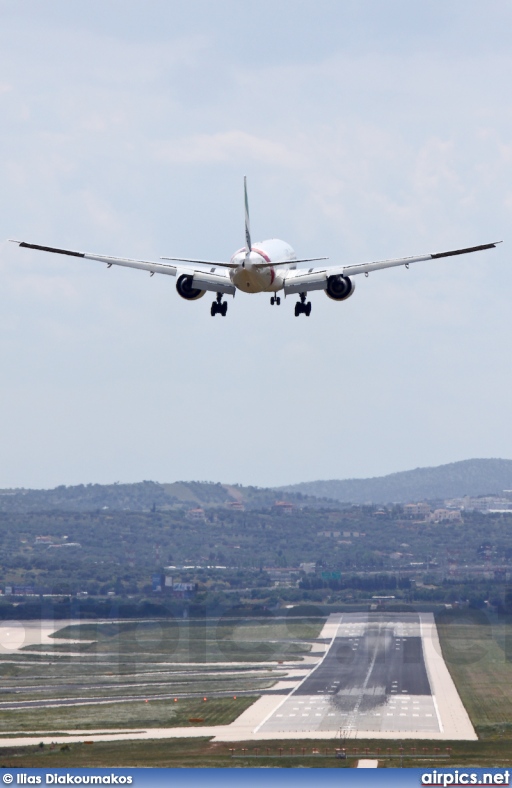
{"points": [[373, 678], [381, 677]]}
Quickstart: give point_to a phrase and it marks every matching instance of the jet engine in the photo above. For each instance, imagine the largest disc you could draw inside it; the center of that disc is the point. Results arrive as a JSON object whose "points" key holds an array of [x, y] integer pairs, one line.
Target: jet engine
{"points": [[185, 289], [339, 287]]}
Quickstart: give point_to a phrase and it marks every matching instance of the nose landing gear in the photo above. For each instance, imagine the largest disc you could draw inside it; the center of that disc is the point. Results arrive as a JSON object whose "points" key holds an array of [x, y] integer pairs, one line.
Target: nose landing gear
{"points": [[275, 300], [219, 307], [301, 308]]}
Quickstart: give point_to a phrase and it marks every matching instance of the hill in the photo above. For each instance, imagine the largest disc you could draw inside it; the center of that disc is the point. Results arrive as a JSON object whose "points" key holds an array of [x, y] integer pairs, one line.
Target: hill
{"points": [[144, 497], [469, 477]]}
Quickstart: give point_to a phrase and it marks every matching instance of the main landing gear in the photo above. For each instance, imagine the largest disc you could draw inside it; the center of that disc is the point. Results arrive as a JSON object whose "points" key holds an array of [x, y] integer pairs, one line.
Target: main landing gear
{"points": [[219, 307], [301, 308], [275, 300]]}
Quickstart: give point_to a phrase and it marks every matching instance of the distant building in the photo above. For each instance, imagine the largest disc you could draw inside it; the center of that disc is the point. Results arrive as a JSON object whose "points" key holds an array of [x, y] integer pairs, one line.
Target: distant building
{"points": [[308, 568], [237, 506], [446, 515], [379, 602], [184, 590], [162, 583], [418, 510], [283, 576], [196, 514], [284, 507], [484, 503], [66, 544], [501, 510]]}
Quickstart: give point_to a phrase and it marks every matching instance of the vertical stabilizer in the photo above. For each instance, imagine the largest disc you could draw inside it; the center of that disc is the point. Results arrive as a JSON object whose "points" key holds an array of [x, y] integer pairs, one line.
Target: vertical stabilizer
{"points": [[248, 244]]}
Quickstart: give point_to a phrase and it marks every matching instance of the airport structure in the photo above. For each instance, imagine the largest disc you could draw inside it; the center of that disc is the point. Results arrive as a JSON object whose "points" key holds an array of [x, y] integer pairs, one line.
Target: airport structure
{"points": [[369, 675]]}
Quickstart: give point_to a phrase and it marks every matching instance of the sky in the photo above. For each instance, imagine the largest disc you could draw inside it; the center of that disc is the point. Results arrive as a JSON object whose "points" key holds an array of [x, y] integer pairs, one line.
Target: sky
{"points": [[367, 130]]}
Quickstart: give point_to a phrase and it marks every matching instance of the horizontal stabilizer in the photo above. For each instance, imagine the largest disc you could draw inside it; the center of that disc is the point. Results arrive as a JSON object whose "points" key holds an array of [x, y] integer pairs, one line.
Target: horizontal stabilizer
{"points": [[288, 262], [200, 262]]}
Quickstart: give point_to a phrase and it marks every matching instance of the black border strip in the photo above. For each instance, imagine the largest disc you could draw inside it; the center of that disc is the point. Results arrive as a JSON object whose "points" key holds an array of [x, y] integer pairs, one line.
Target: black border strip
{"points": [[463, 251], [52, 249]]}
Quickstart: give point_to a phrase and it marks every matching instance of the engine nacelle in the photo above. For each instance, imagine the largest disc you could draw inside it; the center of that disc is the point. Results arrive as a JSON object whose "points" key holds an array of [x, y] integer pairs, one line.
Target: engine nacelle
{"points": [[339, 287], [185, 289]]}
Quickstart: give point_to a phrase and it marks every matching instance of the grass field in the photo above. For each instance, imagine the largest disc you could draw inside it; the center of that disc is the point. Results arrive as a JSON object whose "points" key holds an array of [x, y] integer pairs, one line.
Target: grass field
{"points": [[475, 649], [129, 660], [148, 687], [154, 714], [202, 640], [201, 752]]}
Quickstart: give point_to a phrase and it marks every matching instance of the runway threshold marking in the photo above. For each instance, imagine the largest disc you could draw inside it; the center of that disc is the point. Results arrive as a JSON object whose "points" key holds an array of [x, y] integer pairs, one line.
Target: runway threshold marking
{"points": [[400, 718], [307, 676], [355, 710]]}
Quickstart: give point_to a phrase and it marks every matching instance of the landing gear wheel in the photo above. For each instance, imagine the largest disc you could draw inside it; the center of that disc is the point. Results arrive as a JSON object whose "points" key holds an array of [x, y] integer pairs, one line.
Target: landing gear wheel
{"points": [[301, 307], [272, 301], [278, 301], [219, 306]]}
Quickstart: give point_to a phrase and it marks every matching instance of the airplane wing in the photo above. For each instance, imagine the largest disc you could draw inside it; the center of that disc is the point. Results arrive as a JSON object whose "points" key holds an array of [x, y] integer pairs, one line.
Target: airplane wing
{"points": [[204, 280], [315, 278], [144, 265]]}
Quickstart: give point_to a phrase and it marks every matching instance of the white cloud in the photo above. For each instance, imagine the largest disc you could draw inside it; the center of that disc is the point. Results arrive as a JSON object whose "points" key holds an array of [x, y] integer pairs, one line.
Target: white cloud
{"points": [[130, 134], [229, 146]]}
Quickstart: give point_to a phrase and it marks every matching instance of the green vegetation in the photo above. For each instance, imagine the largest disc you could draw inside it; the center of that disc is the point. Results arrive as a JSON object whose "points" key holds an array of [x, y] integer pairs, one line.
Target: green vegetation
{"points": [[144, 496], [118, 716], [475, 646], [253, 607], [478, 652], [202, 752], [141, 666], [245, 562], [207, 640], [468, 477]]}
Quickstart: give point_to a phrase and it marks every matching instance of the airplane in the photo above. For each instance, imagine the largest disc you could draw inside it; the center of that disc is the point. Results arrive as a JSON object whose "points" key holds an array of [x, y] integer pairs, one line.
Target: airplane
{"points": [[265, 267]]}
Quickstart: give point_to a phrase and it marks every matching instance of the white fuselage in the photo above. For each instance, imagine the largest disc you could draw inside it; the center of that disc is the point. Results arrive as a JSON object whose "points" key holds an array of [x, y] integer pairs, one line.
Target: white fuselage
{"points": [[250, 277]]}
